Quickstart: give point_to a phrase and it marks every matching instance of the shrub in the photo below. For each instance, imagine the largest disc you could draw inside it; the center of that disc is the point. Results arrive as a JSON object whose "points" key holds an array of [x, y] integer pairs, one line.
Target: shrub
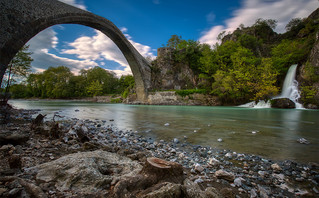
{"points": [[187, 92]]}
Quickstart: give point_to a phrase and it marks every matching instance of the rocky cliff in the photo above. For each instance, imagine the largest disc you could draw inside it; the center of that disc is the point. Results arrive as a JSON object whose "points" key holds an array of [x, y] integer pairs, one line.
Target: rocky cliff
{"points": [[309, 71], [167, 74]]}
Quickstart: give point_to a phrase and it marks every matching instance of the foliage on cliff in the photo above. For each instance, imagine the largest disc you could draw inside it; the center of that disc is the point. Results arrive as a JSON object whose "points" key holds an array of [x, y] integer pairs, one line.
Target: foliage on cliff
{"points": [[249, 63]]}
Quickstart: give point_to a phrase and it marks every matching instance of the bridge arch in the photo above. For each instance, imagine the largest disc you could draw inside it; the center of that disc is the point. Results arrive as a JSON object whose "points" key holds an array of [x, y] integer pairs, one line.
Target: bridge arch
{"points": [[22, 19]]}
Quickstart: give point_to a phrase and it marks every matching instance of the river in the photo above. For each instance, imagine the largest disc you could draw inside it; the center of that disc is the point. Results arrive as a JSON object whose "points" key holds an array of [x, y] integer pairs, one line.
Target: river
{"points": [[271, 133]]}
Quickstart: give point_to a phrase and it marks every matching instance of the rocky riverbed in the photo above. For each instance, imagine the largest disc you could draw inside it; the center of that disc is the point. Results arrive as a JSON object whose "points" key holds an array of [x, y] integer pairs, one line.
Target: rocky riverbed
{"points": [[92, 158]]}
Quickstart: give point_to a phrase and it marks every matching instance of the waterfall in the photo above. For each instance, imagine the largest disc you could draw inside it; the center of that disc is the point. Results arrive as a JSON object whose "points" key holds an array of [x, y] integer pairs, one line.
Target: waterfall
{"points": [[290, 87], [289, 90]]}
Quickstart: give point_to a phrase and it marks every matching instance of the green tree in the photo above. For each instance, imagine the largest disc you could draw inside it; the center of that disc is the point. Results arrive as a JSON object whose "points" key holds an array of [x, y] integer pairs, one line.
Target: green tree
{"points": [[293, 24], [77, 85], [288, 52], [106, 78], [189, 52], [95, 88], [18, 69], [56, 81], [174, 41]]}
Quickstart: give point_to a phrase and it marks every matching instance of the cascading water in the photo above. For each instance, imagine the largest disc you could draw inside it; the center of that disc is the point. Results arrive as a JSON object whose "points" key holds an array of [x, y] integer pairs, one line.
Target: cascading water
{"points": [[289, 90], [290, 87]]}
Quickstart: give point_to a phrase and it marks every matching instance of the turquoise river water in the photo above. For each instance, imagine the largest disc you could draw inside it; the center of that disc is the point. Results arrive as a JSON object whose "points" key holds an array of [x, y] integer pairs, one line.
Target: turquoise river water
{"points": [[272, 133]]}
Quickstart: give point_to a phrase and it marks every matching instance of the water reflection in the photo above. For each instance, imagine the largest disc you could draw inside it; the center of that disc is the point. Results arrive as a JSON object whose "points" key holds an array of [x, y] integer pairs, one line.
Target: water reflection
{"points": [[268, 132]]}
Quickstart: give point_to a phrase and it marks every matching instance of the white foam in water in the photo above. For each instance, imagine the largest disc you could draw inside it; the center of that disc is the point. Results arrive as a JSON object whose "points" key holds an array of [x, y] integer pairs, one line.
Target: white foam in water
{"points": [[263, 104]]}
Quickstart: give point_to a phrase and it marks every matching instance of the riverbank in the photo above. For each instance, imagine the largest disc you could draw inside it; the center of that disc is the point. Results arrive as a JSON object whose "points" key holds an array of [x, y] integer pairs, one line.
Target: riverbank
{"points": [[206, 170]]}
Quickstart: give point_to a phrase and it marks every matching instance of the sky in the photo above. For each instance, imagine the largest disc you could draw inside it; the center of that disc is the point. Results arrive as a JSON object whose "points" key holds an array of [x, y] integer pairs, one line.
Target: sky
{"points": [[148, 24]]}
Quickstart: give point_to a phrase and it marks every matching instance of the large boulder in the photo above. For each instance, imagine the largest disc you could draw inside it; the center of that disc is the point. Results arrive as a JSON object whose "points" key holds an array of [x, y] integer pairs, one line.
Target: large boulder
{"points": [[86, 171], [283, 103]]}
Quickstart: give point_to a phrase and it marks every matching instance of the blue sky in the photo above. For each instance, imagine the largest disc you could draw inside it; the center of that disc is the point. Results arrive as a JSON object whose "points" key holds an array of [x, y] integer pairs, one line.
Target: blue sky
{"points": [[148, 24]]}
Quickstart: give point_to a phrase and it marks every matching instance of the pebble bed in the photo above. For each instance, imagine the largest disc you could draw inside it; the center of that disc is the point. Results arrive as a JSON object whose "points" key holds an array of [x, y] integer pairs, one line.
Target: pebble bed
{"points": [[245, 174], [250, 174]]}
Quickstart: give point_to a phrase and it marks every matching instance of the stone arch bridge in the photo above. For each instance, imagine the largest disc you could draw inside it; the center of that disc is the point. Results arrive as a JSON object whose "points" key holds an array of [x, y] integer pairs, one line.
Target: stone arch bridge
{"points": [[20, 20]]}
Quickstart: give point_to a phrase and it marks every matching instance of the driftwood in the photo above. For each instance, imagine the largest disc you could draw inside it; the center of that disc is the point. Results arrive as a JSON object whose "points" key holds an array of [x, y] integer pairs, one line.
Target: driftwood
{"points": [[55, 131], [154, 172], [37, 121]]}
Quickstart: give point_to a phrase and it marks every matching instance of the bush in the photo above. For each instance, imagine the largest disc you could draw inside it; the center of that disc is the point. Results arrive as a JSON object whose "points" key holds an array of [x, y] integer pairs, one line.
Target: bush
{"points": [[116, 100], [187, 92], [308, 94]]}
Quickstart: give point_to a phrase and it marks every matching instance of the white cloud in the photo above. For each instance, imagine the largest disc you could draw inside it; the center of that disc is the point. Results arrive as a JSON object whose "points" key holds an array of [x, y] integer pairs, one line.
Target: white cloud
{"points": [[281, 10], [42, 59], [99, 47], [89, 50], [123, 29], [74, 3]]}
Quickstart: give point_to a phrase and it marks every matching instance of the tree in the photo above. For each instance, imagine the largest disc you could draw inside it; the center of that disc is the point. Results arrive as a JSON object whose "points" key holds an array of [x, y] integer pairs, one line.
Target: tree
{"points": [[288, 52], [18, 68], [264, 29], [56, 82], [174, 41], [95, 88], [293, 23], [106, 78]]}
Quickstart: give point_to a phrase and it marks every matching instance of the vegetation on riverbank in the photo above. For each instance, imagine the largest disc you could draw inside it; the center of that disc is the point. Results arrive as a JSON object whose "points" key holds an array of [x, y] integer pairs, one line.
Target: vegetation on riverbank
{"points": [[248, 64], [60, 82]]}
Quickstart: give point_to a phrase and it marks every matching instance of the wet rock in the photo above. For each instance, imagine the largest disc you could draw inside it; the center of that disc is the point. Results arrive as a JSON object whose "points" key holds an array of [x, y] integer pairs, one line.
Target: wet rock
{"points": [[280, 177], [253, 193], [199, 168], [15, 192], [86, 171], [276, 167], [227, 192], [175, 140], [2, 191], [213, 161], [167, 190], [191, 189], [89, 146], [237, 182], [221, 174], [15, 161], [32, 189], [264, 192], [283, 103], [262, 173], [81, 132], [229, 155], [303, 141], [13, 137], [315, 190], [302, 193], [199, 180]]}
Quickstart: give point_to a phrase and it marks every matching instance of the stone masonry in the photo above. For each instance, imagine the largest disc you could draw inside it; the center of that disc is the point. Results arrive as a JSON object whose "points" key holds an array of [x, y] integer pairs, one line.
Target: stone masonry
{"points": [[20, 20]]}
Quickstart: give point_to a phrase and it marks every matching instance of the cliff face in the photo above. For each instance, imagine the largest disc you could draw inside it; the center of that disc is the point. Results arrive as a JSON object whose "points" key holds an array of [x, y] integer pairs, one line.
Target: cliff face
{"points": [[309, 71], [309, 78], [167, 74]]}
